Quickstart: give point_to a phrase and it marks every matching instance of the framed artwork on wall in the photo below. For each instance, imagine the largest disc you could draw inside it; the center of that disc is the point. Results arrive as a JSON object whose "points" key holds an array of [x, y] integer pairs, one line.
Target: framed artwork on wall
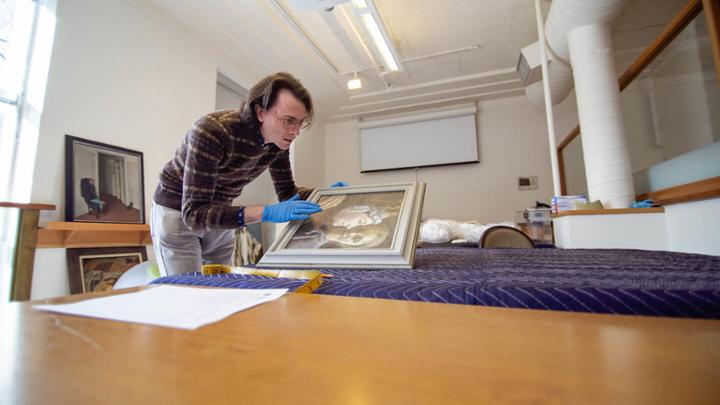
{"points": [[361, 226], [98, 269], [103, 183]]}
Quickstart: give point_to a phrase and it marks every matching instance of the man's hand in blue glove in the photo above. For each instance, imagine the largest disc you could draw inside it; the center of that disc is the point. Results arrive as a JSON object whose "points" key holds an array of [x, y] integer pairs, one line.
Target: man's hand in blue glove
{"points": [[339, 184], [289, 210]]}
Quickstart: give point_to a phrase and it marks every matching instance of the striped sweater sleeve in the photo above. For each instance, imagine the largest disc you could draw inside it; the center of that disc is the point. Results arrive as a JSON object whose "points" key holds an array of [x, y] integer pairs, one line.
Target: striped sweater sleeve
{"points": [[282, 177], [206, 143]]}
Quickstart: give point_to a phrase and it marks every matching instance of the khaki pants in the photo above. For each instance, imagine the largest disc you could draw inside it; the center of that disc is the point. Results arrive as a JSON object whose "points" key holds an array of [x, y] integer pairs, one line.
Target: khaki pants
{"points": [[179, 249]]}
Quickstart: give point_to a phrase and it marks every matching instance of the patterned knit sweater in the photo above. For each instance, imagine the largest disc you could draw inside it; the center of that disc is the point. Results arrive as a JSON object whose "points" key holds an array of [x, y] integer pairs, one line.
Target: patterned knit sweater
{"points": [[220, 154]]}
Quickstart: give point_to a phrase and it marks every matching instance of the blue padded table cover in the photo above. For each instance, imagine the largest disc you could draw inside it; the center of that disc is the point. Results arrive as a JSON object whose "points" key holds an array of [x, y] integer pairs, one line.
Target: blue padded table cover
{"points": [[231, 281], [616, 281]]}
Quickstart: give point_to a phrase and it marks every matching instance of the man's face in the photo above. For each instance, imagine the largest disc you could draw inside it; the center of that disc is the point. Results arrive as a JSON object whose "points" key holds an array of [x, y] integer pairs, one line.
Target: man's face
{"points": [[281, 123]]}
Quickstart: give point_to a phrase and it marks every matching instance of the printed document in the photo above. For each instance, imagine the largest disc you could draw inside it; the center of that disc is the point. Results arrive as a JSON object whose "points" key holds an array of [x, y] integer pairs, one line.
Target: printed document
{"points": [[171, 306]]}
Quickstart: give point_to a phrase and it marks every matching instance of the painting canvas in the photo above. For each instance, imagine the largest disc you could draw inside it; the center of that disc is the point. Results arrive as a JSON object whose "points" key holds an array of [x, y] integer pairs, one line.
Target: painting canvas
{"points": [[362, 226], [103, 183], [351, 221], [98, 269]]}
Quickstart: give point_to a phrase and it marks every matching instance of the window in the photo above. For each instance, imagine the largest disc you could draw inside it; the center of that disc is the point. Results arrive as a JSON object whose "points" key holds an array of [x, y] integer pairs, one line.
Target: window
{"points": [[26, 34]]}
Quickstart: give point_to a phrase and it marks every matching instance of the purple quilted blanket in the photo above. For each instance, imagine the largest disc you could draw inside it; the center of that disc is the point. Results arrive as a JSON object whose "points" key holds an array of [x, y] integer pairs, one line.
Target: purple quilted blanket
{"points": [[583, 280]]}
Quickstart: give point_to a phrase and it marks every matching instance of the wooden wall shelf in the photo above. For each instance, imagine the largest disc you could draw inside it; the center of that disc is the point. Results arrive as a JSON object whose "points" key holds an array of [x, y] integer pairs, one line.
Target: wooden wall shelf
{"points": [[88, 234]]}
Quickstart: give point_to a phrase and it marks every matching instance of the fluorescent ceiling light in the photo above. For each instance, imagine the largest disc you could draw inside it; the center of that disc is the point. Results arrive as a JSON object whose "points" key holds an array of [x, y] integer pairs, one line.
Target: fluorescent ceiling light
{"points": [[354, 83], [380, 41], [359, 3]]}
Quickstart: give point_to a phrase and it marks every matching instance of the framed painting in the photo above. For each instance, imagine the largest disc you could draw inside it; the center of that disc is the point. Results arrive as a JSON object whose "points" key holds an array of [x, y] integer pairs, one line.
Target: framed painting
{"points": [[98, 269], [362, 226], [103, 183]]}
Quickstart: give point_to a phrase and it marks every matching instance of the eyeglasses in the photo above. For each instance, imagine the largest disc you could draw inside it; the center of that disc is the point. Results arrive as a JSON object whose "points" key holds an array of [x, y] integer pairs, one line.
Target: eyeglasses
{"points": [[290, 122]]}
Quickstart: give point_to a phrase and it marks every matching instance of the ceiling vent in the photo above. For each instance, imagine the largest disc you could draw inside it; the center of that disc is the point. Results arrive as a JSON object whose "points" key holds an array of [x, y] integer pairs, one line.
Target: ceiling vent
{"points": [[529, 65]]}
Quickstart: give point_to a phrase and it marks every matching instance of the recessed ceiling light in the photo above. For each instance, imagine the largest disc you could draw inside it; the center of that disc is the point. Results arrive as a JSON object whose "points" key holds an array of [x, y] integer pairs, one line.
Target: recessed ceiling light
{"points": [[354, 83]]}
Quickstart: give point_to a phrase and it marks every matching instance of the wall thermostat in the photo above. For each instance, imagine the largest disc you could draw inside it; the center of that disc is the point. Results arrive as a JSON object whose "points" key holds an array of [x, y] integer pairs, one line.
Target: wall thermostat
{"points": [[527, 183]]}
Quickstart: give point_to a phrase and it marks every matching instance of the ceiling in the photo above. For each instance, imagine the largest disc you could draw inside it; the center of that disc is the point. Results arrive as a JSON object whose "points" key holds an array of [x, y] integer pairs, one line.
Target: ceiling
{"points": [[451, 50]]}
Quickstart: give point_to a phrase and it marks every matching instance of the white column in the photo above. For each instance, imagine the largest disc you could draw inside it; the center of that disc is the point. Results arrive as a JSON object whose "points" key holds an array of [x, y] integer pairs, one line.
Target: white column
{"points": [[607, 162]]}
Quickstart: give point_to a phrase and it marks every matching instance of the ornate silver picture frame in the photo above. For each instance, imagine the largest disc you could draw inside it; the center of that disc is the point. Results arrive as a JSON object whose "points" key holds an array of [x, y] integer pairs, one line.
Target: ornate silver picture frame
{"points": [[360, 226]]}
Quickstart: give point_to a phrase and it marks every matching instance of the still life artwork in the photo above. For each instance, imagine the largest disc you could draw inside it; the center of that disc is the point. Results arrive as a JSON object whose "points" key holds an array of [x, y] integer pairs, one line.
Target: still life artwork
{"points": [[362, 226], [98, 269]]}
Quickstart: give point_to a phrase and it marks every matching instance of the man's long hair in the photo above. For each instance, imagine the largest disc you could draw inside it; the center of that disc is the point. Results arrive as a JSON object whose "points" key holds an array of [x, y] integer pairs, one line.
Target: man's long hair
{"points": [[265, 92]]}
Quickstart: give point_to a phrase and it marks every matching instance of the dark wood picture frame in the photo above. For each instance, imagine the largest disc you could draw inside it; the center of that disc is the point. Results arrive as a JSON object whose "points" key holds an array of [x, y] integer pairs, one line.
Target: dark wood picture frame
{"points": [[103, 183], [97, 269]]}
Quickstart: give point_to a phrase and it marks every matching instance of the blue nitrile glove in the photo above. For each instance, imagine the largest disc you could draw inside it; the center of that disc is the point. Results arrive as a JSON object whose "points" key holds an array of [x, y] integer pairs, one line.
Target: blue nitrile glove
{"points": [[339, 184], [642, 204], [289, 210]]}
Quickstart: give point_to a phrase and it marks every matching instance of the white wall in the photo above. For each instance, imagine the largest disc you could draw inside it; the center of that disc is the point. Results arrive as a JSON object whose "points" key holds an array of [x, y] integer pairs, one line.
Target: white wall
{"points": [[637, 103], [121, 74], [512, 143], [572, 155], [226, 98], [694, 227], [619, 231], [309, 152], [575, 178]]}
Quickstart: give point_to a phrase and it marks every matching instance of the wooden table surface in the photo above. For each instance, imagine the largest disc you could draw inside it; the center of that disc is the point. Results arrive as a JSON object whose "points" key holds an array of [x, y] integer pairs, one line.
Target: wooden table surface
{"points": [[321, 349]]}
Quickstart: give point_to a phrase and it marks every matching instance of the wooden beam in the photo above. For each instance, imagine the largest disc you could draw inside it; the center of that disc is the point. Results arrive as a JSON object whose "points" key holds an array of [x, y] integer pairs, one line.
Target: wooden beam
{"points": [[569, 138], [30, 206], [712, 16], [676, 25], [23, 259], [699, 190], [561, 169], [24, 255]]}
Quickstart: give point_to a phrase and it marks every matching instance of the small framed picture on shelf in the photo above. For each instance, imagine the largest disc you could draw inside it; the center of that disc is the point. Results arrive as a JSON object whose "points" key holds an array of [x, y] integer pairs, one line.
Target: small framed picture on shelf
{"points": [[98, 269], [103, 183]]}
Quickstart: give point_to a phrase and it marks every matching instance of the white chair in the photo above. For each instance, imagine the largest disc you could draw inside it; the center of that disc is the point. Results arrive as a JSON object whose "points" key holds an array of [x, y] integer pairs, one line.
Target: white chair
{"points": [[140, 274]]}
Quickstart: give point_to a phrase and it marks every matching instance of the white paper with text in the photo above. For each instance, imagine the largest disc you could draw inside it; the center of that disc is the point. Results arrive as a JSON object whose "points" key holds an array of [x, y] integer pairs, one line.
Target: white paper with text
{"points": [[171, 306]]}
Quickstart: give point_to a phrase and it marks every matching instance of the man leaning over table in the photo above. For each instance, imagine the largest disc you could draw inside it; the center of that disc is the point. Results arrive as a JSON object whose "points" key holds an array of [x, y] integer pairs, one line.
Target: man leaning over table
{"points": [[193, 219]]}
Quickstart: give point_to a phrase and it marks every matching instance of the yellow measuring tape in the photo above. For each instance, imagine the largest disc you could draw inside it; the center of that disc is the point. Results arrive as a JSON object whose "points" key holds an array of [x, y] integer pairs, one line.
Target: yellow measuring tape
{"points": [[314, 277]]}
